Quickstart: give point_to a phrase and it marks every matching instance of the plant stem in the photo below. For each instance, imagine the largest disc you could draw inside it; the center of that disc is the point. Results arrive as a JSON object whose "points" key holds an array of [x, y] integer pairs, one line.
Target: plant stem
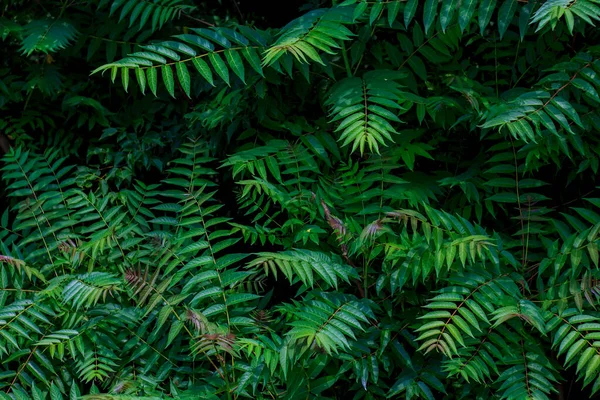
{"points": [[346, 62]]}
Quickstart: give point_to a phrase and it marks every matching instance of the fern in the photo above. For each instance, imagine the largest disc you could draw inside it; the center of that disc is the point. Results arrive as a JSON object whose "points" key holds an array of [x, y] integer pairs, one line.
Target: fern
{"points": [[363, 106], [466, 311], [303, 266], [317, 30], [380, 199], [191, 48], [527, 115], [329, 321], [551, 11], [140, 13], [47, 36], [573, 337]]}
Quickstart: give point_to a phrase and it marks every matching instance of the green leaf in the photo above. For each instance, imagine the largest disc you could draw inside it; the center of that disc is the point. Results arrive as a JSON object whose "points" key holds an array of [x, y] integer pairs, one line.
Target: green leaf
{"points": [[253, 59], [151, 74], [447, 12], [235, 61], [167, 75], [524, 17], [125, 78], [197, 41], [429, 14], [141, 79], [359, 10], [219, 67], [465, 13], [570, 20], [375, 12], [183, 76], [587, 88], [393, 8], [486, 9], [409, 11], [204, 70], [505, 15]]}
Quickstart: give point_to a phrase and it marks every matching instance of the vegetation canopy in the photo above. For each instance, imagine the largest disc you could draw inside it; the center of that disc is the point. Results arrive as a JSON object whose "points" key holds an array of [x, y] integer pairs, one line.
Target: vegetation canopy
{"points": [[373, 199]]}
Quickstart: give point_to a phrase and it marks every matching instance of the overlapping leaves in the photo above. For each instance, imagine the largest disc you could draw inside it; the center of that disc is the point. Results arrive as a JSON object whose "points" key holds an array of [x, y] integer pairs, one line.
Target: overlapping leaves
{"points": [[210, 52], [366, 108]]}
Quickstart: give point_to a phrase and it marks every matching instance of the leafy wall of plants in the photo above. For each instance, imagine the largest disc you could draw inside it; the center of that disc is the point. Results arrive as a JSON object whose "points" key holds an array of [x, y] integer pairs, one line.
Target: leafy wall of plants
{"points": [[380, 199]]}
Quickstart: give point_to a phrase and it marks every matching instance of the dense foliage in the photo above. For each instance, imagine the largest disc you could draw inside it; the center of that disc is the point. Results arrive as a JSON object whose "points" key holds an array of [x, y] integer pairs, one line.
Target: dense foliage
{"points": [[380, 199]]}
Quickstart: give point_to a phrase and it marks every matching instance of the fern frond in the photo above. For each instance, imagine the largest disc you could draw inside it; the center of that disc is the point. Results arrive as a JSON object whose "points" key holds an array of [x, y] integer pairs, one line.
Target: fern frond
{"points": [[329, 321], [212, 342], [88, 289], [97, 364], [553, 10], [575, 335], [302, 265], [366, 108], [47, 36], [8, 27], [464, 310], [191, 48], [22, 321], [450, 13], [318, 30], [531, 377], [527, 115], [140, 12], [480, 358], [20, 265]]}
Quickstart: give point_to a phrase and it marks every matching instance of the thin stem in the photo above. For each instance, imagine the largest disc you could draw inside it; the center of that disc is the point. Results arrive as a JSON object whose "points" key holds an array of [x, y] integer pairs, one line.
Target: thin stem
{"points": [[346, 62]]}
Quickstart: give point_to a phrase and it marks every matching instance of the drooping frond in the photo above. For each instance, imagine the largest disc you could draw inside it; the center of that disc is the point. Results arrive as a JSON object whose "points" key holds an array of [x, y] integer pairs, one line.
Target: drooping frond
{"points": [[319, 30], [466, 310], [366, 108], [531, 377], [304, 265], [221, 239], [329, 321], [47, 35], [552, 11], [485, 14], [574, 336], [207, 51], [141, 12], [87, 290], [529, 114]]}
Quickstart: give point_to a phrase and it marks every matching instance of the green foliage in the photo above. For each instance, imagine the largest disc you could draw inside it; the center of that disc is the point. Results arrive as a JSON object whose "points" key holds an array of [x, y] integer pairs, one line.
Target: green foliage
{"points": [[158, 12], [177, 55], [321, 29], [47, 36], [380, 199], [363, 108]]}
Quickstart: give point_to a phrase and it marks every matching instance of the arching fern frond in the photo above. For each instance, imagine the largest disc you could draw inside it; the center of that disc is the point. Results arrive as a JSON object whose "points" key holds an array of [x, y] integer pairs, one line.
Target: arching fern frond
{"points": [[548, 107], [139, 12], [224, 48], [88, 289], [575, 336], [479, 359], [321, 29], [302, 265], [329, 320], [531, 378], [366, 108], [47, 35], [553, 10], [464, 310]]}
